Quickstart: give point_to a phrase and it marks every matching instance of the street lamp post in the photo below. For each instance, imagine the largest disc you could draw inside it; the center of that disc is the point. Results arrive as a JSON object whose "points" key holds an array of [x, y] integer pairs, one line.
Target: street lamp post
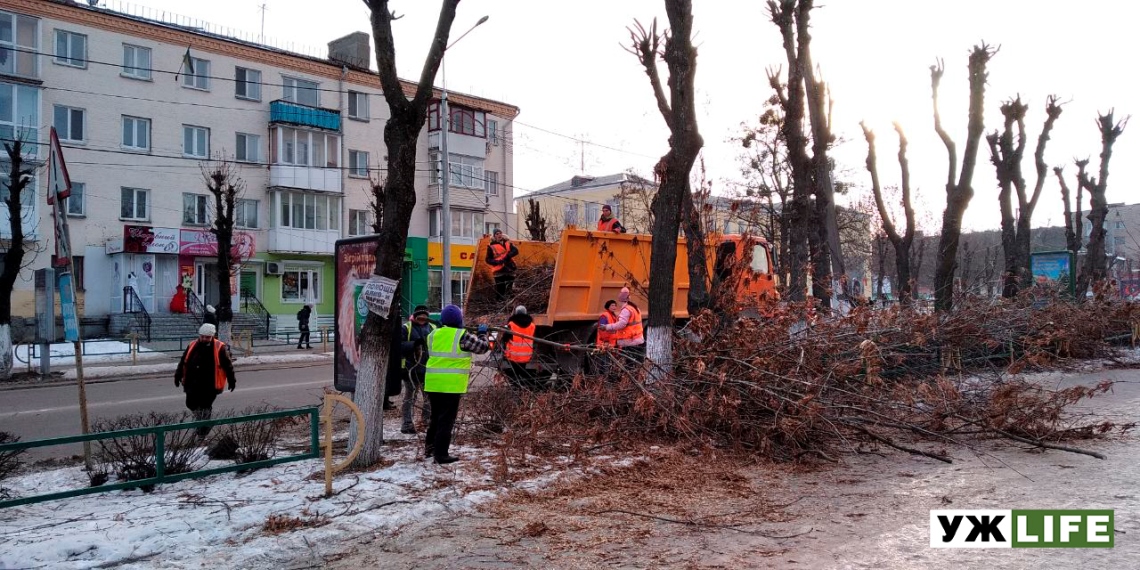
{"points": [[445, 175]]}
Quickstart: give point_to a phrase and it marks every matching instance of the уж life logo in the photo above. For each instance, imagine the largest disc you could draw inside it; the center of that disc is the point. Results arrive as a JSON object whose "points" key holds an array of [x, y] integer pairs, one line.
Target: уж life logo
{"points": [[1039, 528]]}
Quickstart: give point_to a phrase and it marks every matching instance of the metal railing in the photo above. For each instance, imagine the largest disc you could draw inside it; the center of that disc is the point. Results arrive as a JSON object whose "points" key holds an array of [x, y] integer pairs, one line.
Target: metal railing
{"points": [[252, 305], [159, 433], [195, 306], [133, 305]]}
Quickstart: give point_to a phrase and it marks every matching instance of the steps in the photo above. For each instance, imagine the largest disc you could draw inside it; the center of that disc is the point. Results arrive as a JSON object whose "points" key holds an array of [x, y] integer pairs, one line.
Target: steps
{"points": [[171, 326]]}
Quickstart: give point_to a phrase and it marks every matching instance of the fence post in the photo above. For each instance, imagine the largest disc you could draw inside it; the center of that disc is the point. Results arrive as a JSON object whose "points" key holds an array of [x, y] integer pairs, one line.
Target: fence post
{"points": [[132, 343], [159, 453], [324, 338]]}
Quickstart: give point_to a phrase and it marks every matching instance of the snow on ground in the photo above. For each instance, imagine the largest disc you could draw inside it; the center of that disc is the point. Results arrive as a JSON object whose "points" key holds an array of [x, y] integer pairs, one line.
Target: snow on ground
{"points": [[95, 351], [218, 521], [162, 368]]}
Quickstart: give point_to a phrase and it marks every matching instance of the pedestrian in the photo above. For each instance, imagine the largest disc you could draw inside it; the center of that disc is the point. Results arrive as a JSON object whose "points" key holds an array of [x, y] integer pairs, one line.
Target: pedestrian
{"points": [[608, 223], [203, 372], [518, 348], [303, 317], [500, 256], [211, 316], [630, 337], [415, 355], [606, 341], [445, 380]]}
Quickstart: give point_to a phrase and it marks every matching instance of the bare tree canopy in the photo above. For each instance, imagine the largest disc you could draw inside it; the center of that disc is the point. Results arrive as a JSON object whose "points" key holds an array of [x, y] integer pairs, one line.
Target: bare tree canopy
{"points": [[1095, 268], [901, 242]]}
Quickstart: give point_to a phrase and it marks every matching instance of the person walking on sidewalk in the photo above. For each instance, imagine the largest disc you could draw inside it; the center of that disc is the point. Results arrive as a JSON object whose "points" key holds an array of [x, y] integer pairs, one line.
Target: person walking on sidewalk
{"points": [[413, 349], [448, 371], [303, 317], [203, 372], [210, 317]]}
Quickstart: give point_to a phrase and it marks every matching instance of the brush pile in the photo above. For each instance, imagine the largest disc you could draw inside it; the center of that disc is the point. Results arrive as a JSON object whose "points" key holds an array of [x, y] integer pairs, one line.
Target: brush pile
{"points": [[531, 289]]}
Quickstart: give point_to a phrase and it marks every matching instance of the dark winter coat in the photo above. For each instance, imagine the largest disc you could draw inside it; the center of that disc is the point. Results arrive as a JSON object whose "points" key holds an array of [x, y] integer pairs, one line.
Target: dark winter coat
{"points": [[418, 336], [394, 380], [303, 317], [197, 372], [210, 318]]}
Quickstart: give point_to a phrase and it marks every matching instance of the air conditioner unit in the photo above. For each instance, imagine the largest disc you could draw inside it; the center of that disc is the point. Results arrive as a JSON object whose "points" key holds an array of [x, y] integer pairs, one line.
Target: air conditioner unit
{"points": [[274, 268]]}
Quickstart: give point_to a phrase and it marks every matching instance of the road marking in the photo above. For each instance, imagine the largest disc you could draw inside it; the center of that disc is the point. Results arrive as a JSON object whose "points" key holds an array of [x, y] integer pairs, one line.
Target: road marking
{"points": [[177, 396]]}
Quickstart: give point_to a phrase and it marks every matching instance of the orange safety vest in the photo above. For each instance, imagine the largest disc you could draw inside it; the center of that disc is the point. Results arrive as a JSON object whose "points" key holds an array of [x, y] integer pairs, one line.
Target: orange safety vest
{"points": [[607, 225], [632, 329], [519, 349], [499, 252], [219, 374], [607, 338]]}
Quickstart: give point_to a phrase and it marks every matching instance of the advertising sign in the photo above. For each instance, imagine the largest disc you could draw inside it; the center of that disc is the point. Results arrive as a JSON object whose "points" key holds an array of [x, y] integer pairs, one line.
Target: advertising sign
{"points": [[1054, 269], [67, 306], [378, 293], [204, 243], [355, 259], [147, 239]]}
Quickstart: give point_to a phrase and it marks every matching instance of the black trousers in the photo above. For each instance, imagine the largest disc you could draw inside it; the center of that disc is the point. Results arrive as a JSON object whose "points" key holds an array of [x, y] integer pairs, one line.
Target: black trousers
{"points": [[504, 284], [444, 410], [201, 405], [304, 338], [520, 376]]}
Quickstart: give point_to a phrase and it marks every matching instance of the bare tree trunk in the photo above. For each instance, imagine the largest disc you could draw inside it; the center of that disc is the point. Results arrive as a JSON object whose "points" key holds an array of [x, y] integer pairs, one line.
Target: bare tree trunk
{"points": [[958, 194], [401, 133], [223, 183], [901, 243], [1007, 160], [18, 178], [535, 221], [1072, 238], [699, 283], [1096, 264]]}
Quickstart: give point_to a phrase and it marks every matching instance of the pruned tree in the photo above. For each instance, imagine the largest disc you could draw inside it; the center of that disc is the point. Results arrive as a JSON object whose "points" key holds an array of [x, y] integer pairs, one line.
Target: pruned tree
{"points": [[19, 175], [900, 242], [959, 192], [535, 221], [1006, 156], [401, 134], [768, 177], [673, 193], [1095, 268], [224, 184], [1074, 227]]}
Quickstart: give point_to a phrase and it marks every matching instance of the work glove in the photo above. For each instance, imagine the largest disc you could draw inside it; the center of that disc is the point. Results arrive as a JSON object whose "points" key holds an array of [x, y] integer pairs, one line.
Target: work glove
{"points": [[232, 385], [177, 382], [482, 329]]}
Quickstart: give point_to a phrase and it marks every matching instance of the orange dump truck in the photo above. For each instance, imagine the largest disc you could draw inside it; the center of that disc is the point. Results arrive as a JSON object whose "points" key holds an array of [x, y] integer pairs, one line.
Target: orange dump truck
{"points": [[565, 284]]}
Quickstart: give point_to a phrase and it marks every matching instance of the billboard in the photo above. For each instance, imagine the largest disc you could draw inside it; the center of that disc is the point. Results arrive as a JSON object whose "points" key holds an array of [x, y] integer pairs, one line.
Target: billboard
{"points": [[354, 260], [1054, 269]]}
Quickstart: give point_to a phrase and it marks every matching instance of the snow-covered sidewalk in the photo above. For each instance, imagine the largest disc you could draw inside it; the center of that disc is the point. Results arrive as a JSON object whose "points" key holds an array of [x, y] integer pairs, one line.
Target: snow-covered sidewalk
{"points": [[96, 351]]}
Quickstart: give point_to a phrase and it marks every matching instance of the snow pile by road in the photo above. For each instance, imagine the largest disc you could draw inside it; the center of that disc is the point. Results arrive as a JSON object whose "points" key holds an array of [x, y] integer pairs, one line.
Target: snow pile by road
{"points": [[221, 521]]}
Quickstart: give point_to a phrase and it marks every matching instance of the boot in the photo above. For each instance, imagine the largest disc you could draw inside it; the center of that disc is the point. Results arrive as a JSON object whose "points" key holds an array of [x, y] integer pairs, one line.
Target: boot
{"points": [[445, 460]]}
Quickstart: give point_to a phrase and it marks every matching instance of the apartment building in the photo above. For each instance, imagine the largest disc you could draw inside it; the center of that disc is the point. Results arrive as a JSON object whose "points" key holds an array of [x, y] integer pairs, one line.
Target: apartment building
{"points": [[142, 106]]}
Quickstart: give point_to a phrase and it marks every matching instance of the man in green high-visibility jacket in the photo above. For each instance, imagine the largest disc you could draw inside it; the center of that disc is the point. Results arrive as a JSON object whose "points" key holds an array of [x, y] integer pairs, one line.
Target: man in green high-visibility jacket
{"points": [[449, 351]]}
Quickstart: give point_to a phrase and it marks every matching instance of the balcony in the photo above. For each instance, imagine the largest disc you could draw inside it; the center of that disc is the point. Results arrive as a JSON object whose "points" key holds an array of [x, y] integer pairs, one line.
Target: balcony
{"points": [[289, 240], [305, 177], [304, 116], [457, 143]]}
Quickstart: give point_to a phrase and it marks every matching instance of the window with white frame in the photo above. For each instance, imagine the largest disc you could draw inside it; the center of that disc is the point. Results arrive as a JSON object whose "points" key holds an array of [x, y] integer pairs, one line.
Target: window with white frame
{"points": [[308, 211], [136, 133], [460, 280], [490, 227], [245, 213], [359, 222], [492, 182], [464, 223], [76, 201], [20, 114], [301, 148], [615, 207], [493, 131], [593, 212], [300, 91], [195, 141], [247, 84], [570, 214], [358, 105], [433, 222], [69, 123], [195, 209], [358, 163], [134, 204], [196, 74], [301, 284], [19, 44], [136, 62], [247, 148], [466, 171], [1119, 225], [433, 167], [70, 48], [27, 203]]}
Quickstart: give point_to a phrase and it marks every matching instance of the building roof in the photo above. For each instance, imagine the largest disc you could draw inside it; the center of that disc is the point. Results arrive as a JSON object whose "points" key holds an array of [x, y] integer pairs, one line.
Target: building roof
{"points": [[585, 182]]}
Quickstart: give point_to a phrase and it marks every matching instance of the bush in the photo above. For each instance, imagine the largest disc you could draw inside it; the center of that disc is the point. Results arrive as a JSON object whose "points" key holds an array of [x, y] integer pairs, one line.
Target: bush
{"points": [[252, 441], [9, 460], [132, 457]]}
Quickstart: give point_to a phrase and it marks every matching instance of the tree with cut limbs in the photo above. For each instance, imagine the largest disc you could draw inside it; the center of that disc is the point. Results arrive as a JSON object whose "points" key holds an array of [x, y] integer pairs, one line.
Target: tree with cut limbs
{"points": [[1006, 157], [535, 221], [674, 196], [958, 193], [901, 243], [224, 185], [401, 134], [19, 176], [1095, 268], [1074, 228]]}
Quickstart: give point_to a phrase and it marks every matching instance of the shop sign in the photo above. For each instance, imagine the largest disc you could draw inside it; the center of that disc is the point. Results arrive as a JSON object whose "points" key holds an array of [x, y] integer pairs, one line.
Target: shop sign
{"points": [[148, 239]]}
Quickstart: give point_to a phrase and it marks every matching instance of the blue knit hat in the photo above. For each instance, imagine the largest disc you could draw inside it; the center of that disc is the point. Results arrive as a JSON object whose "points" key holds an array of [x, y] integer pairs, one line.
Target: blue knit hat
{"points": [[451, 316]]}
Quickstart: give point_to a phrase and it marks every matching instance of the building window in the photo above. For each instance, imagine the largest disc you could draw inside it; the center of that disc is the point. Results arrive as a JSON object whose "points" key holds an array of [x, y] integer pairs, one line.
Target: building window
{"points": [[459, 282], [134, 204], [70, 48], [195, 208], [76, 270], [136, 62], [248, 148], [27, 203], [570, 214], [1119, 225], [358, 163], [76, 201], [196, 74], [492, 180], [468, 122], [136, 133], [302, 148], [19, 44], [195, 141], [466, 171], [359, 222], [69, 123], [245, 213], [593, 212], [490, 227], [358, 105], [433, 167], [247, 84], [309, 211], [464, 223], [300, 91], [433, 117], [20, 114], [301, 284], [615, 207], [493, 131]]}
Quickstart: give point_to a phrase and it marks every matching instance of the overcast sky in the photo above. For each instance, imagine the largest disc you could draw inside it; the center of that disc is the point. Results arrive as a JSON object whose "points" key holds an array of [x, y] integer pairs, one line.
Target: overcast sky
{"points": [[563, 64]]}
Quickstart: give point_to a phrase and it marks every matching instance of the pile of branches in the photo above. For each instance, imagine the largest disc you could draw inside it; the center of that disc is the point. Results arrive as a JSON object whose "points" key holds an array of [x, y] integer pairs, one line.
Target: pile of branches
{"points": [[788, 388], [531, 289]]}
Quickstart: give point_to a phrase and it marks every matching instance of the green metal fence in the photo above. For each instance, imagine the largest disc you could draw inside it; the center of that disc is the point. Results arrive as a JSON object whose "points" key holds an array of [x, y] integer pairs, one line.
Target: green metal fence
{"points": [[159, 433]]}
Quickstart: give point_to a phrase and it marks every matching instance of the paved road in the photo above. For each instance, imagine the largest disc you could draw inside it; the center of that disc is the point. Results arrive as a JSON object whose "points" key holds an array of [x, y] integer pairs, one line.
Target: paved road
{"points": [[53, 411]]}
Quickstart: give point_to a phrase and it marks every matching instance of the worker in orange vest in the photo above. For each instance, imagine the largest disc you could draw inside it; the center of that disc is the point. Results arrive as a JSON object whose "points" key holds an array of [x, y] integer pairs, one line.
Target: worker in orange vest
{"points": [[203, 372], [518, 350], [629, 330], [608, 223], [500, 256], [606, 341]]}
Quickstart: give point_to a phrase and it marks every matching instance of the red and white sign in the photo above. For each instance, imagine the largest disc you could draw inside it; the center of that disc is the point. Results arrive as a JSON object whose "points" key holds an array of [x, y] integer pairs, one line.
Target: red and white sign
{"points": [[148, 239], [204, 243]]}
